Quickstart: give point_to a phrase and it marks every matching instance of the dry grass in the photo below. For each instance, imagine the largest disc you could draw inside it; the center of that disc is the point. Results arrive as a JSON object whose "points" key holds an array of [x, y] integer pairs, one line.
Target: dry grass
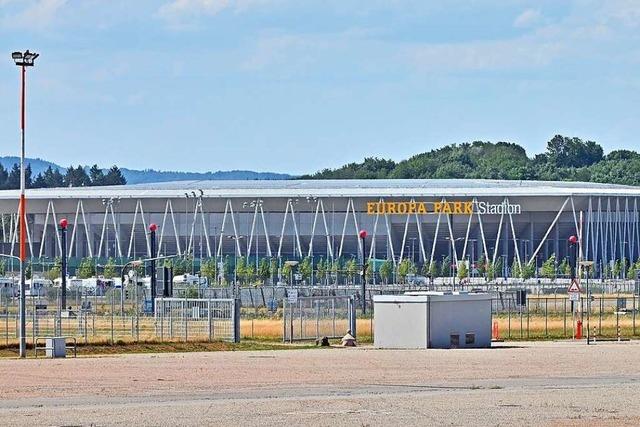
{"points": [[121, 347], [269, 332]]}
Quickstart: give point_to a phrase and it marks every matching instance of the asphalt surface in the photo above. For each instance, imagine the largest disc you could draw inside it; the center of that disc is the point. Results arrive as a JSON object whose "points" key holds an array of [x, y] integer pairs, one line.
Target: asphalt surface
{"points": [[559, 383]]}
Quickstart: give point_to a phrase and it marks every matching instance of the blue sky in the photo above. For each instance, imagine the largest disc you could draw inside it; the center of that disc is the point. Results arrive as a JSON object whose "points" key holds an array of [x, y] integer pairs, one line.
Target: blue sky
{"points": [[296, 86]]}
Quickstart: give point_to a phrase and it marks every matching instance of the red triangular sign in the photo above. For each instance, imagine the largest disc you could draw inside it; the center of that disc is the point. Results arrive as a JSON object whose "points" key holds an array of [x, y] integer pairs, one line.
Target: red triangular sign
{"points": [[574, 286]]}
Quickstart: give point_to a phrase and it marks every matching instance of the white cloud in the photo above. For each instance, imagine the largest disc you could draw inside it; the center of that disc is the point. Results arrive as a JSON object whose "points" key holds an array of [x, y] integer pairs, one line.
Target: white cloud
{"points": [[38, 14], [527, 19], [179, 8], [625, 11], [518, 53]]}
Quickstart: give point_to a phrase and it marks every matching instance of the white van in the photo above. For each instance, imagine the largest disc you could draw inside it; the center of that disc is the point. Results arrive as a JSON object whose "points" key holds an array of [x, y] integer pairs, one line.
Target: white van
{"points": [[9, 287], [37, 287]]}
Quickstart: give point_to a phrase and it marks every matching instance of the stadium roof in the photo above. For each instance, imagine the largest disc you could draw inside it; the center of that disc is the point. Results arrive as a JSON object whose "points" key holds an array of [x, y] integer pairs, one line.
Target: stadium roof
{"points": [[334, 188]]}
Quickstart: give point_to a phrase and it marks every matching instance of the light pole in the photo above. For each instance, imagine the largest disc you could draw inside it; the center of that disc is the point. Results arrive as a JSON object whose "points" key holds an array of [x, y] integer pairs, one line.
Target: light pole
{"points": [[23, 60], [363, 236], [586, 265]]}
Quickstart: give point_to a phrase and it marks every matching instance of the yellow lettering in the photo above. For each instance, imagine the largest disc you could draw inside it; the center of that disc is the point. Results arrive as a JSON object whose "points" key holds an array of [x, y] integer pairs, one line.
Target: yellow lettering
{"points": [[468, 208], [412, 207], [457, 208], [447, 208], [391, 208], [381, 208], [422, 208], [402, 208], [437, 207], [370, 208]]}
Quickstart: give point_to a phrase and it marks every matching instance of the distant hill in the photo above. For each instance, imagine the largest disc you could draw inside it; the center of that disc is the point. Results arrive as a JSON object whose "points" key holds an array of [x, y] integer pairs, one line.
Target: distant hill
{"points": [[134, 176], [565, 159]]}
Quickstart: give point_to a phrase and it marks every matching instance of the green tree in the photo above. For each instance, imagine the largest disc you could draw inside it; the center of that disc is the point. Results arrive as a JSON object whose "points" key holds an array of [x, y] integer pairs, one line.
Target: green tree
{"points": [[286, 272], [617, 269], [548, 268], [227, 268], [336, 268], [209, 269], [249, 272], [321, 270], [515, 269], [482, 265], [491, 271], [114, 177], [241, 269], [351, 268], [405, 267], [109, 270], [463, 271], [498, 267], [371, 269], [264, 270], [76, 177], [445, 267], [55, 272], [182, 265], [386, 270], [634, 268], [86, 269], [305, 268], [564, 267], [527, 271], [96, 175], [433, 271]]}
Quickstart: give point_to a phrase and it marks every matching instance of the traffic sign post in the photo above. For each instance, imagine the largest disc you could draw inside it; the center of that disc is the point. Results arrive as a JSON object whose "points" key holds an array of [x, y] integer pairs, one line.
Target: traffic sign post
{"points": [[292, 296]]}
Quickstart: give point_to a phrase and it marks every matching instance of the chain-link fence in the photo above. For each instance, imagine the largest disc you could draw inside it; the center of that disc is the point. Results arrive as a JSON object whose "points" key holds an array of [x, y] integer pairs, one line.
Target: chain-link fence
{"points": [[531, 316], [183, 318], [310, 318], [121, 316]]}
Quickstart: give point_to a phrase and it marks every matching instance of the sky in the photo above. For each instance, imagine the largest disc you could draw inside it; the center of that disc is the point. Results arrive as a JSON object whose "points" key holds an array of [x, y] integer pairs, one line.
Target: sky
{"points": [[297, 86]]}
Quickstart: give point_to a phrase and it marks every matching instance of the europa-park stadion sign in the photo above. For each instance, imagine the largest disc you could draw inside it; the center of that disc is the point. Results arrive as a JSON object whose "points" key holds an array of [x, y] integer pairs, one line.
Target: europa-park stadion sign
{"points": [[454, 208]]}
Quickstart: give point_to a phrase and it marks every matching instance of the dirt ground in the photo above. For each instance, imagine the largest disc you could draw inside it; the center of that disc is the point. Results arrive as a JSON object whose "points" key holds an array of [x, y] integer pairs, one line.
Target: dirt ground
{"points": [[543, 383]]}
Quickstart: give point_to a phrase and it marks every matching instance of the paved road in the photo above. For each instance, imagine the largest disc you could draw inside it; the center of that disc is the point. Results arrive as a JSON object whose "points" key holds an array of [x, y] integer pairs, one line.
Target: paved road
{"points": [[537, 384]]}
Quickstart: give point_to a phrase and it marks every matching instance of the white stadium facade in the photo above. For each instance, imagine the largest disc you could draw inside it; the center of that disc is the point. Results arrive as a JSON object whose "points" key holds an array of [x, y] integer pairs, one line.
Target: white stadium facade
{"points": [[424, 220]]}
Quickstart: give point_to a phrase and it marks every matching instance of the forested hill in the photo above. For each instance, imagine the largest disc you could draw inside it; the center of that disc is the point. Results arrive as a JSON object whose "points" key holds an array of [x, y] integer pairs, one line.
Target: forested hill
{"points": [[565, 159]]}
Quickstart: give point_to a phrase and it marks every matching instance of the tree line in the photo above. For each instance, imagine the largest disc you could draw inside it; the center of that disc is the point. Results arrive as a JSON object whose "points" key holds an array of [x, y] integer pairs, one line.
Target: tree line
{"points": [[52, 177], [565, 159]]}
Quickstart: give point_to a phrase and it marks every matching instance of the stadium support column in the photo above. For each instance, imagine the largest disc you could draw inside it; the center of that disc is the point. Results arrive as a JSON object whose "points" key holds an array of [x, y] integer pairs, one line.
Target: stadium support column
{"points": [[154, 255], [363, 272], [63, 272]]}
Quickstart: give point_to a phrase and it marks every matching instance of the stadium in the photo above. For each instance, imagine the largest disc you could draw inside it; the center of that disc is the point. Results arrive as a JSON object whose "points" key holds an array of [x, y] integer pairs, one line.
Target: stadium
{"points": [[426, 221]]}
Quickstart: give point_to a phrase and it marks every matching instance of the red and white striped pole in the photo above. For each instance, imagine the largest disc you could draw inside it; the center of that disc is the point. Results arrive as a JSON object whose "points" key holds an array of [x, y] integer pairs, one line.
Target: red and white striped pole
{"points": [[23, 226]]}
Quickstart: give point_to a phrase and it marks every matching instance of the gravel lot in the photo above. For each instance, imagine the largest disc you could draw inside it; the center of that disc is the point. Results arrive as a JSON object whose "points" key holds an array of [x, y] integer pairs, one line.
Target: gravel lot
{"points": [[550, 383]]}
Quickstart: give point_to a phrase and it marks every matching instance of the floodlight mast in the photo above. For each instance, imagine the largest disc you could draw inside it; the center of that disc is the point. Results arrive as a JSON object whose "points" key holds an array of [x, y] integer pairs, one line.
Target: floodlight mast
{"points": [[23, 60]]}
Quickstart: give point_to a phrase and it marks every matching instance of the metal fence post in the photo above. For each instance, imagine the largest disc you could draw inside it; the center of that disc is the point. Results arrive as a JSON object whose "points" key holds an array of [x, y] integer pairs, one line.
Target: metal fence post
{"points": [[546, 317], [209, 319], [236, 320], [186, 320], [634, 315], [353, 325], [112, 308], [284, 320], [600, 316], [509, 317]]}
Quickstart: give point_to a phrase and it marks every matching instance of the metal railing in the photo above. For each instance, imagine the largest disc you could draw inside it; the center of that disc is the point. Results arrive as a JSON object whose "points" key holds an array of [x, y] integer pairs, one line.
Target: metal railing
{"points": [[310, 318]]}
